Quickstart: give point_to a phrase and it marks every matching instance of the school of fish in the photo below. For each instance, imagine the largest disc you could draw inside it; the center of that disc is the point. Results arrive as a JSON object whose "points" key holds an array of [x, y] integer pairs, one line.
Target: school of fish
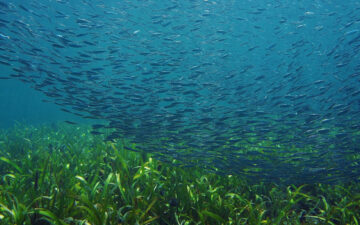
{"points": [[265, 89]]}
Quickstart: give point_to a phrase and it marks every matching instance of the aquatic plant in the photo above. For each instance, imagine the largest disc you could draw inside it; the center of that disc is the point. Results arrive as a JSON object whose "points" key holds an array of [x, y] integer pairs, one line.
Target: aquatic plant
{"points": [[62, 174]]}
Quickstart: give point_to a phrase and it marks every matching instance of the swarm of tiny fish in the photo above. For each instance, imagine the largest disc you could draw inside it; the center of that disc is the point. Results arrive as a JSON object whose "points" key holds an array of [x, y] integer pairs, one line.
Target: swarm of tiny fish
{"points": [[269, 89]]}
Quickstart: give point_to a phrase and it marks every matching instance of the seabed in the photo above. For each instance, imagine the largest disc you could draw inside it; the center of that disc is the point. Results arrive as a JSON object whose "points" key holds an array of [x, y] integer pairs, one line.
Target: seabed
{"points": [[63, 174]]}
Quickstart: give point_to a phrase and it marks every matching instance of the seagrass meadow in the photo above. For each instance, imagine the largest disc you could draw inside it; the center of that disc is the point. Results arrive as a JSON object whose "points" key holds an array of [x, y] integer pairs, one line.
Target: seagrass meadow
{"points": [[63, 174], [177, 112]]}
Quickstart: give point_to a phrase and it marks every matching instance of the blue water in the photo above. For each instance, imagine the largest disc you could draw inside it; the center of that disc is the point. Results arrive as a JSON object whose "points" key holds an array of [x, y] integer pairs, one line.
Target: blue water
{"points": [[19, 103], [228, 83]]}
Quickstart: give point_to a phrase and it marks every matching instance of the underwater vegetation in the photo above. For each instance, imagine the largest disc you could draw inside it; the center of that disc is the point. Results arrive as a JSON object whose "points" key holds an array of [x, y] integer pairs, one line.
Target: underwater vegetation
{"points": [[205, 112], [62, 174]]}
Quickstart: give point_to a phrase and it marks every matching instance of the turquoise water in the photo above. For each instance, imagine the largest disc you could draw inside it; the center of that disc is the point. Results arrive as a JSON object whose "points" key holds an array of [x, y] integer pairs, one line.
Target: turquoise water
{"points": [[268, 89]]}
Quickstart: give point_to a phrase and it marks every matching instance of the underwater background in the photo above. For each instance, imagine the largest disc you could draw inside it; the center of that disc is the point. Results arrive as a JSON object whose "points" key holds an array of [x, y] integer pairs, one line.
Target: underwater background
{"points": [[179, 112]]}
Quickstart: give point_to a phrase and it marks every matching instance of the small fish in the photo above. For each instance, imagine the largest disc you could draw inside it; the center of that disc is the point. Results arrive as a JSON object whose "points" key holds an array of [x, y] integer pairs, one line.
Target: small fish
{"points": [[69, 122]]}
